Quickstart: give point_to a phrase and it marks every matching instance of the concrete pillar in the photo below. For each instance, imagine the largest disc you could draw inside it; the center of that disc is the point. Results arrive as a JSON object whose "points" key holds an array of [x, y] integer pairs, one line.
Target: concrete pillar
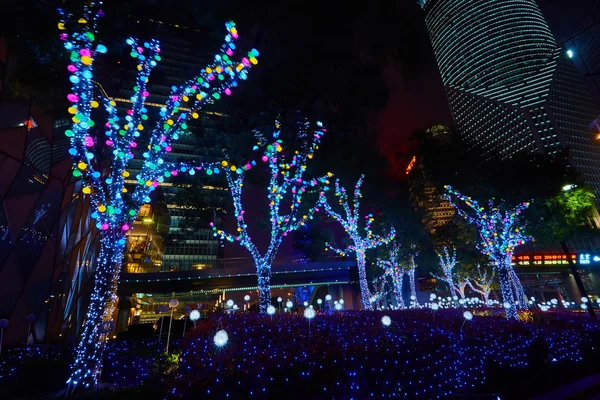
{"points": [[124, 311], [571, 287], [595, 278]]}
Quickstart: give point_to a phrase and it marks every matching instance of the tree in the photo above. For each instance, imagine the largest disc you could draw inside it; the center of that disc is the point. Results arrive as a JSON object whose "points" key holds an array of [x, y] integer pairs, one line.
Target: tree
{"points": [[500, 232], [447, 265], [286, 182], [412, 266], [484, 281], [392, 268], [102, 153], [351, 225]]}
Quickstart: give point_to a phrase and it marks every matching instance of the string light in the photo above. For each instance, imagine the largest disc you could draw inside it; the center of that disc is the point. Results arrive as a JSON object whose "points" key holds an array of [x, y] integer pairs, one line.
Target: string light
{"points": [[393, 269], [286, 184], [484, 282], [500, 233], [351, 225], [115, 207], [447, 264]]}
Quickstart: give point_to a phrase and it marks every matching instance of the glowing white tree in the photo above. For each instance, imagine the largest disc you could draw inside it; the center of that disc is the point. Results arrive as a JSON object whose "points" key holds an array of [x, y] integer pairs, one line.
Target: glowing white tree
{"points": [[393, 269], [412, 266], [361, 243], [483, 282], [447, 264], [500, 233], [103, 152], [460, 285], [286, 185]]}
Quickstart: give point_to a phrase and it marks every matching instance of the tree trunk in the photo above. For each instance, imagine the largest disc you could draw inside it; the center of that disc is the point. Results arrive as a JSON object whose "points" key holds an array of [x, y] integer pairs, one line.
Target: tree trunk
{"points": [[398, 290], [365, 293], [518, 288], [263, 271], [413, 288], [97, 324], [506, 288]]}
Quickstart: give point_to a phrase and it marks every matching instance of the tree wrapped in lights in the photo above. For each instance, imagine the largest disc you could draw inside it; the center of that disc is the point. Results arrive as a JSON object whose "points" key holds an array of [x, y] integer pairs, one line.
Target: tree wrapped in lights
{"points": [[500, 233], [286, 185], [351, 225], [412, 266], [447, 265], [396, 271], [483, 282], [103, 152], [460, 285]]}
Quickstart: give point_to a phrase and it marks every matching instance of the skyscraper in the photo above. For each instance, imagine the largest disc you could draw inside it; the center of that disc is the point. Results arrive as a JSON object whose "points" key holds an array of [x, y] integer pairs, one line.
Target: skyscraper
{"points": [[511, 88]]}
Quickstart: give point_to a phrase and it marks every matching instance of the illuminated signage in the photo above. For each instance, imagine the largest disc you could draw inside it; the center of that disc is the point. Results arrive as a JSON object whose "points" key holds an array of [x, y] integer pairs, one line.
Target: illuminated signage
{"points": [[542, 259], [587, 259], [411, 164]]}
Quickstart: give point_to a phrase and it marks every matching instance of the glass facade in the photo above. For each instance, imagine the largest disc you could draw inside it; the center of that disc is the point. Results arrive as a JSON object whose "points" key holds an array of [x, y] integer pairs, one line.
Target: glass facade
{"points": [[510, 87]]}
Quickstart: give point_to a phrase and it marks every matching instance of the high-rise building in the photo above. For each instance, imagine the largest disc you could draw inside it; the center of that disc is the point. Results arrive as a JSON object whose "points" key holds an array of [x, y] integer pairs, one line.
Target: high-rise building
{"points": [[511, 88]]}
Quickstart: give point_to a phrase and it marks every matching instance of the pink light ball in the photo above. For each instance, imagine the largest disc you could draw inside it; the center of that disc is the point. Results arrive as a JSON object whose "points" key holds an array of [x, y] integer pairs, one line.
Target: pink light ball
{"points": [[125, 227], [104, 226], [227, 91], [73, 98], [72, 68], [265, 158]]}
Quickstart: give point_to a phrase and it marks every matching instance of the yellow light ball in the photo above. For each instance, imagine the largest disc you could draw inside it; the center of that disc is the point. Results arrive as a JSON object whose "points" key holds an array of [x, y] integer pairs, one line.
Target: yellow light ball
{"points": [[101, 208], [224, 163], [94, 104], [86, 190], [125, 174], [72, 110], [195, 115], [148, 183], [82, 165], [87, 60]]}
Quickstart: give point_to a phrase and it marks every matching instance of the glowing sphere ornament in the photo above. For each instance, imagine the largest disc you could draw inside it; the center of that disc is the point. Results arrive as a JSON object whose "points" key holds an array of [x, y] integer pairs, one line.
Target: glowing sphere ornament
{"points": [[270, 310], [328, 297], [229, 303], [221, 338], [173, 303], [195, 315], [386, 321], [468, 315], [309, 313], [289, 304], [246, 298]]}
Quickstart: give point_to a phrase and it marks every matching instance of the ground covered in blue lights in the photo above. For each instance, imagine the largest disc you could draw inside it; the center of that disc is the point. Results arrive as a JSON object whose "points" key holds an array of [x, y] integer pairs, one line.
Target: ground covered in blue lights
{"points": [[348, 355]]}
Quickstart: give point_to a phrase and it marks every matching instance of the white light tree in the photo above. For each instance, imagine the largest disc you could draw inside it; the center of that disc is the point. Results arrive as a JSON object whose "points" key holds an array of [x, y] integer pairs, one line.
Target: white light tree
{"points": [[412, 266], [460, 284], [285, 193], [102, 153], [361, 241], [395, 271], [483, 282], [447, 265], [500, 231]]}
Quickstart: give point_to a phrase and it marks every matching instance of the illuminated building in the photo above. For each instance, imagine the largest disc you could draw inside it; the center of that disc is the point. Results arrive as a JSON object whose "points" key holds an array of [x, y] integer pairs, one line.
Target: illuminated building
{"points": [[510, 87], [47, 243]]}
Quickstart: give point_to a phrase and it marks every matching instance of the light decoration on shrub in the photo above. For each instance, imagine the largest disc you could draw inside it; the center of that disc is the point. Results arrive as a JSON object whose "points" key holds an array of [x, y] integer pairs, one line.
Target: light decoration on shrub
{"points": [[447, 264], [221, 338], [483, 282], [412, 266], [286, 185], [500, 233], [103, 151], [351, 223]]}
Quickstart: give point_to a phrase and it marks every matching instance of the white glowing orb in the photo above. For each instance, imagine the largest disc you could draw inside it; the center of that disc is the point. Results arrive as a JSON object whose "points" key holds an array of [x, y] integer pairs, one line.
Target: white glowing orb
{"points": [[385, 320], [338, 306], [309, 313], [554, 301], [279, 299], [506, 305], [328, 297], [454, 298], [305, 304], [319, 301], [490, 302], [270, 310], [584, 299], [195, 315], [173, 303], [229, 303], [221, 338], [461, 301], [435, 306], [584, 306], [246, 298], [235, 307], [432, 296], [341, 301], [468, 315], [289, 304]]}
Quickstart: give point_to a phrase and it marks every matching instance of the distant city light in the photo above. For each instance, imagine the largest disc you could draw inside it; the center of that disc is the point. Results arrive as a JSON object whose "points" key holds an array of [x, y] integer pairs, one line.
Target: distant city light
{"points": [[568, 187], [570, 53]]}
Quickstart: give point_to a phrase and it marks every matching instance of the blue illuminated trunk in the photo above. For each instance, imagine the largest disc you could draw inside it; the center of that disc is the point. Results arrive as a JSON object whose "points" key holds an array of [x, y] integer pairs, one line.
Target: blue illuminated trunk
{"points": [[506, 287], [365, 293], [263, 271], [86, 368]]}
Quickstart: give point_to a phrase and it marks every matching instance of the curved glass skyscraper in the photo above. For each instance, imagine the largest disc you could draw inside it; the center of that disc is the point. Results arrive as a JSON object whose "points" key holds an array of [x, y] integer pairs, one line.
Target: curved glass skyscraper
{"points": [[509, 85]]}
